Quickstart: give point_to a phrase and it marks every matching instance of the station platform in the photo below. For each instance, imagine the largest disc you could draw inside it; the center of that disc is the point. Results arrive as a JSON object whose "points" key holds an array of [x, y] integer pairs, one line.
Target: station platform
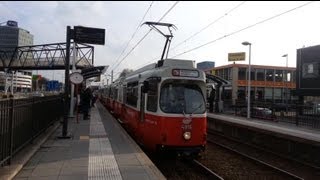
{"points": [[99, 148], [285, 130]]}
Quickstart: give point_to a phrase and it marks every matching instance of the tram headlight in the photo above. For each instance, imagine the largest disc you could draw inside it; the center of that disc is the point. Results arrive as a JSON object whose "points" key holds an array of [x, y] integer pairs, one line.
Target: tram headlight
{"points": [[187, 135]]}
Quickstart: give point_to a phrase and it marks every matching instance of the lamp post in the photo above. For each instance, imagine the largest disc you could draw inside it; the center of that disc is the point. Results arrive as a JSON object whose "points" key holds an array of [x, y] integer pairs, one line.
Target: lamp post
{"points": [[249, 80], [286, 96]]}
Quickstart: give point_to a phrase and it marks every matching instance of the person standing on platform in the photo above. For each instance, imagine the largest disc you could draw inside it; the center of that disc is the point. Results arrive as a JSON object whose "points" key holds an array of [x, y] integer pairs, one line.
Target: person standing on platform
{"points": [[94, 99], [86, 102], [211, 99]]}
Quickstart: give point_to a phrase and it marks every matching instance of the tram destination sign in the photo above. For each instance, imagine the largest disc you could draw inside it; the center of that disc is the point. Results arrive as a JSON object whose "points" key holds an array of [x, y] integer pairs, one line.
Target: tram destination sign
{"points": [[89, 35]]}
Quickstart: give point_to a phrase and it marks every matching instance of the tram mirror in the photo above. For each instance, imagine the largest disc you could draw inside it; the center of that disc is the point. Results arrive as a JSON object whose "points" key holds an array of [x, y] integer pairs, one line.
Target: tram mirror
{"points": [[145, 87]]}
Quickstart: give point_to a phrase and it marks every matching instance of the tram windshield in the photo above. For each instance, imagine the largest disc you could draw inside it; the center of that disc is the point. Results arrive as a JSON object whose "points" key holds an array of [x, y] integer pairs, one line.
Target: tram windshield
{"points": [[182, 98]]}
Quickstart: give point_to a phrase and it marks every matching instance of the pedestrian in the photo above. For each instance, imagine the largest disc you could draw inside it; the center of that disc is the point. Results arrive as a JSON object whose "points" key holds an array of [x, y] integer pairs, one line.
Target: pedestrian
{"points": [[94, 99], [86, 98], [211, 99]]}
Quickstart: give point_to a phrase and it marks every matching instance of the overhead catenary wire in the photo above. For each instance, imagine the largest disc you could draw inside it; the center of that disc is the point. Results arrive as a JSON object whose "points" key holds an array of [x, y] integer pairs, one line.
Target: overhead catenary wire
{"points": [[210, 24], [245, 28], [145, 35], [133, 35], [204, 28]]}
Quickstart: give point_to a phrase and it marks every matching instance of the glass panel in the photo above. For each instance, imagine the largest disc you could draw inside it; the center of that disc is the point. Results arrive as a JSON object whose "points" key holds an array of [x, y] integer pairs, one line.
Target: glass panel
{"points": [[242, 74], [278, 75], [260, 93], [252, 74], [182, 98], [152, 103], [241, 93], [260, 74], [277, 93], [269, 74], [268, 93]]}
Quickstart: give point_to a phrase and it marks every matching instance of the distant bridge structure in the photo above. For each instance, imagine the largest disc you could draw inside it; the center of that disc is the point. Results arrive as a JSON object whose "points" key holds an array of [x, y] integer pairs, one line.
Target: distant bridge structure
{"points": [[44, 57]]}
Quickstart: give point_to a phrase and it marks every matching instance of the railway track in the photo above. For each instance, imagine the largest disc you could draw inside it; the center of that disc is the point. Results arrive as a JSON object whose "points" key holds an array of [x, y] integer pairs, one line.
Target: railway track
{"points": [[212, 132], [202, 168], [286, 173], [297, 168]]}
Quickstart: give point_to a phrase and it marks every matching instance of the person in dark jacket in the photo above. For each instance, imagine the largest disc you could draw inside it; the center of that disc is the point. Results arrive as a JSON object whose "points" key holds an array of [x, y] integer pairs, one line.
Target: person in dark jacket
{"points": [[86, 97], [211, 99]]}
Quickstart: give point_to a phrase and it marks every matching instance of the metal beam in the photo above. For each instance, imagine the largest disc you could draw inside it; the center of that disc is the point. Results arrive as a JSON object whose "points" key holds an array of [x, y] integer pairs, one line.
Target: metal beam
{"points": [[44, 57]]}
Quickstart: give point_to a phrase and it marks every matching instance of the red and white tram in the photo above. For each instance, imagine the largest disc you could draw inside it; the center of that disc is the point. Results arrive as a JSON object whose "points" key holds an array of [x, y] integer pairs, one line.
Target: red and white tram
{"points": [[162, 105]]}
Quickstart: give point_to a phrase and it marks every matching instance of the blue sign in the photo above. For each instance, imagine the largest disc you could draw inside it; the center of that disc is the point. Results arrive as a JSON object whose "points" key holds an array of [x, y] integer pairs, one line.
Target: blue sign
{"points": [[53, 86]]}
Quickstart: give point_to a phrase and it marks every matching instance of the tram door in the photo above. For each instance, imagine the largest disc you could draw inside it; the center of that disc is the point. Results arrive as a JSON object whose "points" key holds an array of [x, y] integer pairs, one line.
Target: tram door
{"points": [[142, 103]]}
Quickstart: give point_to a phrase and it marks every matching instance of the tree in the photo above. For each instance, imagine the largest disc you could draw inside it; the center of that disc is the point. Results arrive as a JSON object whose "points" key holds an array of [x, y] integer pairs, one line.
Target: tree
{"points": [[125, 72], [38, 80]]}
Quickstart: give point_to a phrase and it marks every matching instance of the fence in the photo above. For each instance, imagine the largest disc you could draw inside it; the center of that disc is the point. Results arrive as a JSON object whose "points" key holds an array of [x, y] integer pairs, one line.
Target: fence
{"points": [[22, 120], [307, 115]]}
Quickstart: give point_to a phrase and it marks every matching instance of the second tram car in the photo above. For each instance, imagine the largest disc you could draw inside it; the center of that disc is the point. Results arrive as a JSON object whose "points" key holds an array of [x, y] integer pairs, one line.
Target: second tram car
{"points": [[162, 105]]}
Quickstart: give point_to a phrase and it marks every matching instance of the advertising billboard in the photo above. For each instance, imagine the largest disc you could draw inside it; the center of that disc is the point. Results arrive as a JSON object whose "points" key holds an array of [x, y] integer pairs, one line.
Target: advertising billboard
{"points": [[308, 71]]}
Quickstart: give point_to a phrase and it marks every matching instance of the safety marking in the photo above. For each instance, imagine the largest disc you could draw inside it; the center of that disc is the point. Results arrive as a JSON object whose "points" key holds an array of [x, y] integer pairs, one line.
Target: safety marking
{"points": [[102, 163], [84, 137]]}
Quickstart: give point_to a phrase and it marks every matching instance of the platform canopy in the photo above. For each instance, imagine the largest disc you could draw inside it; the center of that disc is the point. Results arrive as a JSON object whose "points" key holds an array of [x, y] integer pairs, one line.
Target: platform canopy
{"points": [[93, 71]]}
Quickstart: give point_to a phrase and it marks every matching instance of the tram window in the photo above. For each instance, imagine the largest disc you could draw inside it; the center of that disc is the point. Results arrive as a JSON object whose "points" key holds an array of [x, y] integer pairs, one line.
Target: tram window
{"points": [[132, 94], [152, 104], [182, 98]]}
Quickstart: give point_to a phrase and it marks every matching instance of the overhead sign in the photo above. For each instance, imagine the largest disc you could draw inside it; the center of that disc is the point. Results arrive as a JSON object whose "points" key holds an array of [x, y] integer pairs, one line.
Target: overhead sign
{"points": [[240, 56], [93, 71], [89, 35]]}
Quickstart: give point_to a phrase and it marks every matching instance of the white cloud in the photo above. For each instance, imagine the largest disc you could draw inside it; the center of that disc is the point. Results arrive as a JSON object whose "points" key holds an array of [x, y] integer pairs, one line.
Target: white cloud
{"points": [[47, 21]]}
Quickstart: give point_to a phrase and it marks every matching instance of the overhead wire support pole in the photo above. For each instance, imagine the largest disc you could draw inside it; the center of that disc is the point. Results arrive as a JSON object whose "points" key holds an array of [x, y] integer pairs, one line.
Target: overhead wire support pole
{"points": [[66, 85], [72, 85]]}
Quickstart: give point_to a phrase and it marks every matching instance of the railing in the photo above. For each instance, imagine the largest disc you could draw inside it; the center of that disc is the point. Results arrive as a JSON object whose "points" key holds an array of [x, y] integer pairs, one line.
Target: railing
{"points": [[22, 120], [292, 113]]}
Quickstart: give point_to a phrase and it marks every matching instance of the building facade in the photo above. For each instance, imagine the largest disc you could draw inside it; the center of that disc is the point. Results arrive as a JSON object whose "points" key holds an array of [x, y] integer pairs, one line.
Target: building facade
{"points": [[21, 80], [268, 83], [11, 36]]}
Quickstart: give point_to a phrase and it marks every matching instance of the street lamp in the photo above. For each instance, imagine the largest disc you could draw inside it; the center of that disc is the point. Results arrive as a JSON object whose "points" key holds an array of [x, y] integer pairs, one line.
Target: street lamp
{"points": [[286, 96], [249, 80]]}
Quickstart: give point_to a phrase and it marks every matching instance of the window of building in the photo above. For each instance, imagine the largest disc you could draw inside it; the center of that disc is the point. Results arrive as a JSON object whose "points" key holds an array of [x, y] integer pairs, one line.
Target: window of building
{"points": [[260, 74], [278, 94], [242, 74], [269, 74], [252, 75], [259, 93], [241, 93], [268, 93], [294, 76], [227, 73], [278, 75]]}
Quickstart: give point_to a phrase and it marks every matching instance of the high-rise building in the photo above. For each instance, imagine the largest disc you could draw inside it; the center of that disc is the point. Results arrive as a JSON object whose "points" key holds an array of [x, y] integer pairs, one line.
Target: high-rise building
{"points": [[11, 36]]}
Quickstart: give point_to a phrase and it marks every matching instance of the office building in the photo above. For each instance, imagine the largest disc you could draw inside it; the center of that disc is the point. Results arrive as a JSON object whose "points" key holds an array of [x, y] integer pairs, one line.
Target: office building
{"points": [[11, 36], [268, 83]]}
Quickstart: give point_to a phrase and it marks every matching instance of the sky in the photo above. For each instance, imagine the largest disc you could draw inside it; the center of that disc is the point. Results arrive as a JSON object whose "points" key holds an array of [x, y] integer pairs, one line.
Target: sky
{"points": [[206, 31]]}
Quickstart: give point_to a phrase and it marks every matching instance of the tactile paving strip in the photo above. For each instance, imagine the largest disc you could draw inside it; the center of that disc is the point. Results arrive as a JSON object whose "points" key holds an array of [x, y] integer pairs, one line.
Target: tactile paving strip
{"points": [[102, 163]]}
